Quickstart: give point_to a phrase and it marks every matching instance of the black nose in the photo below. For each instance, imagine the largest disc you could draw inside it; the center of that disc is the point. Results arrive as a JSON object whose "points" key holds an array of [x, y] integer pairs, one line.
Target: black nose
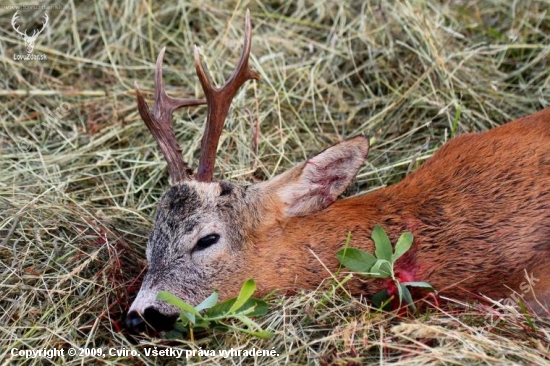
{"points": [[134, 322], [150, 320]]}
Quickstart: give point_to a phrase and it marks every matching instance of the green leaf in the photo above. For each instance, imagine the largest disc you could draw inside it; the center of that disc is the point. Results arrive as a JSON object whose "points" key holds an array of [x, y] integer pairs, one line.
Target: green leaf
{"points": [[403, 244], [208, 302], [240, 308], [249, 322], [399, 291], [253, 307], [176, 301], [262, 334], [220, 327], [182, 325], [187, 310], [356, 260], [380, 298], [406, 296], [202, 323], [382, 244], [220, 309], [249, 286], [259, 307], [381, 269], [419, 284]]}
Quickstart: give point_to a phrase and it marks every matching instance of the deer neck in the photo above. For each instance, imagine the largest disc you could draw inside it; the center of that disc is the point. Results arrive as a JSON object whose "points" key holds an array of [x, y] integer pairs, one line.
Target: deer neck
{"points": [[303, 249]]}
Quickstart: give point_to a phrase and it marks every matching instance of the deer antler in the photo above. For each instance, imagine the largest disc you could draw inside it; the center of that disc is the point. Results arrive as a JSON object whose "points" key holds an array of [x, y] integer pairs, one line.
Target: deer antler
{"points": [[219, 101], [13, 24], [160, 123]]}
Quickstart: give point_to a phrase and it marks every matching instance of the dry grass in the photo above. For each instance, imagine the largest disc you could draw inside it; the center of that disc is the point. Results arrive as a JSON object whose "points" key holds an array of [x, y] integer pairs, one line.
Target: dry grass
{"points": [[78, 190]]}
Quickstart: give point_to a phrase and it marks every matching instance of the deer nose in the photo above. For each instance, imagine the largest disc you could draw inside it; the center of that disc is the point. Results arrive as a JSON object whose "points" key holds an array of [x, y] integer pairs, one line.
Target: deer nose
{"points": [[150, 320], [135, 323]]}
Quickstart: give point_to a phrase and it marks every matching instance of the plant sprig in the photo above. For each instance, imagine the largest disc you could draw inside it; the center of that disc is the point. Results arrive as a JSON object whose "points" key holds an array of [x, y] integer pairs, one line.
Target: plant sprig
{"points": [[382, 265], [210, 314]]}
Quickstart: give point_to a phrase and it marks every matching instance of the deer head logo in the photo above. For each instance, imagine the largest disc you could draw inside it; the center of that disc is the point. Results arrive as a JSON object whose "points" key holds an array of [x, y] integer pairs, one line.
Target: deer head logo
{"points": [[29, 40]]}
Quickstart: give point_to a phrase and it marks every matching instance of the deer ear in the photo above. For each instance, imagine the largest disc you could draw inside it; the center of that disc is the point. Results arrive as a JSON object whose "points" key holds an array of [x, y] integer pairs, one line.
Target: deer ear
{"points": [[314, 185]]}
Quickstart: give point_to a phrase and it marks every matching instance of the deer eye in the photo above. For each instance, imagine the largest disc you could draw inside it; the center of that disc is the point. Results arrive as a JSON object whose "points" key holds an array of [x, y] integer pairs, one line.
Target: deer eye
{"points": [[207, 241]]}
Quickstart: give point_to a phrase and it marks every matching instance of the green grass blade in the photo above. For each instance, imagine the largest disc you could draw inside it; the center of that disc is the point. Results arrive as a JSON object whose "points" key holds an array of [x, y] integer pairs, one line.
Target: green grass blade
{"points": [[187, 309], [248, 288]]}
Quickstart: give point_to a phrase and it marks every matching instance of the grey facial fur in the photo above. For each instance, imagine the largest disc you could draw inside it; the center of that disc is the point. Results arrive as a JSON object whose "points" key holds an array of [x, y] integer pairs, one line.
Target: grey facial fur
{"points": [[187, 212]]}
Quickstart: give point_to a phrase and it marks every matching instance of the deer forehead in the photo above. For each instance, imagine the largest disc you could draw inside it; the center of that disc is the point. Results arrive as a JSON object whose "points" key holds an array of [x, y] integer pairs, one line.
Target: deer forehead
{"points": [[192, 199]]}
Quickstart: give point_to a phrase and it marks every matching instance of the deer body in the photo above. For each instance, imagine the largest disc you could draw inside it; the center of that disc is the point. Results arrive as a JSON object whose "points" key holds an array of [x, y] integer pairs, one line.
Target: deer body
{"points": [[479, 211]]}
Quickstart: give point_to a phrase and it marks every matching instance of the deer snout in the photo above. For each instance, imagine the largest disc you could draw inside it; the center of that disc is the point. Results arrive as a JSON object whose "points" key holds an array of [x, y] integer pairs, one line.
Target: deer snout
{"points": [[147, 314], [150, 320]]}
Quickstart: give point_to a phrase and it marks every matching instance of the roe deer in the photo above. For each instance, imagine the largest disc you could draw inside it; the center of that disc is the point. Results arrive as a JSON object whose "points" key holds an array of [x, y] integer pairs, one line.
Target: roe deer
{"points": [[479, 210]]}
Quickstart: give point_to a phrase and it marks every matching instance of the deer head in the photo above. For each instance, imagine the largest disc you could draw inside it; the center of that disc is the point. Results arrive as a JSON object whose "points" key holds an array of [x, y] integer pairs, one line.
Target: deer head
{"points": [[29, 40], [212, 235]]}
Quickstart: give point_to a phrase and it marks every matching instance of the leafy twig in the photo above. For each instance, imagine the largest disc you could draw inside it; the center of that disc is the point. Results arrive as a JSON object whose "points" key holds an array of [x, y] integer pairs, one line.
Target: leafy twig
{"points": [[209, 314], [382, 265]]}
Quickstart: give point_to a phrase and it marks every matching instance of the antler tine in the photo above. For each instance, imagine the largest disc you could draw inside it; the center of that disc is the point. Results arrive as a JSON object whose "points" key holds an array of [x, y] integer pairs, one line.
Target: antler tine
{"points": [[159, 123], [219, 101]]}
